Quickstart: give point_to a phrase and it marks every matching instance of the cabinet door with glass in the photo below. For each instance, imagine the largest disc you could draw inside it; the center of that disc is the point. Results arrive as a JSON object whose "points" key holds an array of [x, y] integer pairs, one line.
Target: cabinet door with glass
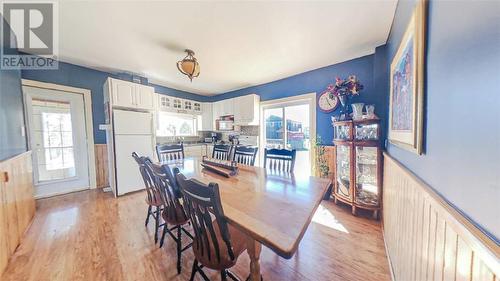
{"points": [[367, 161], [342, 131], [343, 186]]}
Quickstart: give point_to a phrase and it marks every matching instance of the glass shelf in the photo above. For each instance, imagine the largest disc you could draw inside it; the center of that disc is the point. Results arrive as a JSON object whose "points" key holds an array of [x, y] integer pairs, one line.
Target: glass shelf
{"points": [[344, 170], [366, 176], [342, 132], [366, 132]]}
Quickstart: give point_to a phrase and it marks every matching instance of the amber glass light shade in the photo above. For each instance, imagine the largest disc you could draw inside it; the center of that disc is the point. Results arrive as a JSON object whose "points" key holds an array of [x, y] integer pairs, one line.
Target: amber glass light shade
{"points": [[189, 65]]}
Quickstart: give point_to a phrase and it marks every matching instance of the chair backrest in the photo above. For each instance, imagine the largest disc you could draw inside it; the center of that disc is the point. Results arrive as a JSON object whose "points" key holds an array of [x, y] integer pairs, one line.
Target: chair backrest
{"points": [[245, 155], [221, 151], [164, 182], [200, 201], [147, 178], [280, 159], [166, 152]]}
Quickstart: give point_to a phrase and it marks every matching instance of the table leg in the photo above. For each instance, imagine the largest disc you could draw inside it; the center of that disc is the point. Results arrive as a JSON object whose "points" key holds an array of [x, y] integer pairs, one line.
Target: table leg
{"points": [[253, 250]]}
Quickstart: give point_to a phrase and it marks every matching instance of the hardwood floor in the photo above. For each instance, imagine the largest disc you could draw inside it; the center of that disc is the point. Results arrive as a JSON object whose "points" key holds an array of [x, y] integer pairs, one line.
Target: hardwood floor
{"points": [[90, 235]]}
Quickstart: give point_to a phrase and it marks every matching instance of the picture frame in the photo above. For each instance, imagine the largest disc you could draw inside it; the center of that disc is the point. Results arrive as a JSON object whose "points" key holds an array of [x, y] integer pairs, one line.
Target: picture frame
{"points": [[406, 101]]}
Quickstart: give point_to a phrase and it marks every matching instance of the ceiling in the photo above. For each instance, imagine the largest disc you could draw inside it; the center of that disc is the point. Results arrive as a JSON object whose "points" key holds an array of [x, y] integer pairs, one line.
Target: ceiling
{"points": [[238, 44]]}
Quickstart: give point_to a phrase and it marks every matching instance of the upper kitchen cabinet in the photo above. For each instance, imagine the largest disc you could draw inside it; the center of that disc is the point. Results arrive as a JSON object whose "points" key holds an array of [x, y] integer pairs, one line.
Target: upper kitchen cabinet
{"points": [[169, 103], [246, 110], [145, 97], [217, 109], [227, 107], [130, 95], [197, 107], [207, 119]]}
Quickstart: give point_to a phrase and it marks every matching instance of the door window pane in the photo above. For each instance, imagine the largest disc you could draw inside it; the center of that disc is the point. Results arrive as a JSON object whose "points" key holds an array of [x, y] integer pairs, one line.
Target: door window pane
{"points": [[53, 139], [274, 128]]}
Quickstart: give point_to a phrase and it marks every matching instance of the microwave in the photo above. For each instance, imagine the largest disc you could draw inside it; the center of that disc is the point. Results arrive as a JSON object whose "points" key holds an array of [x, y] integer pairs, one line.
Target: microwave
{"points": [[224, 125]]}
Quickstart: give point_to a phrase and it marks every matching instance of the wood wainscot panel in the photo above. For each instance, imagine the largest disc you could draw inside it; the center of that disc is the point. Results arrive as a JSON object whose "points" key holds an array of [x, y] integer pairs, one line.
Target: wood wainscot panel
{"points": [[426, 238], [101, 165], [17, 204]]}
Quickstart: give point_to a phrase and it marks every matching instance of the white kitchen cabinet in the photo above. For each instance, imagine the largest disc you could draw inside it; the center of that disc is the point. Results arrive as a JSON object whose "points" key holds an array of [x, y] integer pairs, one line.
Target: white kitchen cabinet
{"points": [[187, 105], [228, 107], [198, 108], [144, 97], [131, 95], [207, 119], [246, 110], [123, 93], [164, 102], [223, 108], [217, 109]]}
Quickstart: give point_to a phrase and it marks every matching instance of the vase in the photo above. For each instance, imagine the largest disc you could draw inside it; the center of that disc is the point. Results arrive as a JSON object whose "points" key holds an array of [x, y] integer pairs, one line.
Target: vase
{"points": [[344, 110], [357, 111]]}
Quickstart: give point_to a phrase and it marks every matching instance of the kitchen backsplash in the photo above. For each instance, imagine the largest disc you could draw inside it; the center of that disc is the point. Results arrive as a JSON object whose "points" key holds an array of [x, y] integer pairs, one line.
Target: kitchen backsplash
{"points": [[243, 130], [249, 130]]}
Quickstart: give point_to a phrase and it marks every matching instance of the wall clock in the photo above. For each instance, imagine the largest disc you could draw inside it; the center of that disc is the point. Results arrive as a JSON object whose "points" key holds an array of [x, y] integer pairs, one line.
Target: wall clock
{"points": [[326, 103]]}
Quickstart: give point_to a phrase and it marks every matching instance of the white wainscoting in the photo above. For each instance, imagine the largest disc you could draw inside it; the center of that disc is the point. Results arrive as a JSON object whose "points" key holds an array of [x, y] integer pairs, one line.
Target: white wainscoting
{"points": [[426, 238]]}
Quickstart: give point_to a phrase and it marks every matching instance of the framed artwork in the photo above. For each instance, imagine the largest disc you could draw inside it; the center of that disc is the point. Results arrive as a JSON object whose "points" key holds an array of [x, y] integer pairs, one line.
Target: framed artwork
{"points": [[406, 101]]}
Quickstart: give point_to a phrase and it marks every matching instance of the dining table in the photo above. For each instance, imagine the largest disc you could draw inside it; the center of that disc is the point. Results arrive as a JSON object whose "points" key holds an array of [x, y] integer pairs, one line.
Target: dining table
{"points": [[273, 208]]}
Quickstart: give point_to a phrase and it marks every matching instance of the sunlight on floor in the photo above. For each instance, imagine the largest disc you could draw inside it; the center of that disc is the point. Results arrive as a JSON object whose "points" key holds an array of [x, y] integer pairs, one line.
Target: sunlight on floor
{"points": [[326, 218], [62, 221]]}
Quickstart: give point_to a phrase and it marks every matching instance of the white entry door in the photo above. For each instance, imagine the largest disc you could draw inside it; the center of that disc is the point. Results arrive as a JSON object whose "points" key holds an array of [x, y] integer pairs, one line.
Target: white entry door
{"points": [[58, 139]]}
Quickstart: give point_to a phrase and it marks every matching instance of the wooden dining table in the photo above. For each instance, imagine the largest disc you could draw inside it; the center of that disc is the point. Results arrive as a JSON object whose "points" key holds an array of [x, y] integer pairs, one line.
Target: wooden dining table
{"points": [[273, 208]]}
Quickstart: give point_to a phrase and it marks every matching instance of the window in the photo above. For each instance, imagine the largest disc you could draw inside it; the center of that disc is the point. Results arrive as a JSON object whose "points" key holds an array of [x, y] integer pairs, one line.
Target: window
{"points": [[176, 124], [53, 133]]}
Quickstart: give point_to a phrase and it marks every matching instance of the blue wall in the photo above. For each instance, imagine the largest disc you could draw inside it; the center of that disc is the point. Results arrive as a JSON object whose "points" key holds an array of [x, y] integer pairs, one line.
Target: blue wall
{"points": [[316, 81], [12, 142], [83, 77], [462, 132]]}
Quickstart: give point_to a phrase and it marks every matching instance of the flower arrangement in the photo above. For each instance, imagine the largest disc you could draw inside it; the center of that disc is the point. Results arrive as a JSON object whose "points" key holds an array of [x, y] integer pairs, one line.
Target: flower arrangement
{"points": [[345, 87]]}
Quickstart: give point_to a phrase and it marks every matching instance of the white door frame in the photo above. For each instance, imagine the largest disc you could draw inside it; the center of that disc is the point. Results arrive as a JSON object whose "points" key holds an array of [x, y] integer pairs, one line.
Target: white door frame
{"points": [[288, 101], [87, 100]]}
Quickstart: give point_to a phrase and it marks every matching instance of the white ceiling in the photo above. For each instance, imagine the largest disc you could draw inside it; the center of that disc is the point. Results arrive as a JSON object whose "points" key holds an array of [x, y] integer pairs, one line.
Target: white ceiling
{"points": [[238, 44]]}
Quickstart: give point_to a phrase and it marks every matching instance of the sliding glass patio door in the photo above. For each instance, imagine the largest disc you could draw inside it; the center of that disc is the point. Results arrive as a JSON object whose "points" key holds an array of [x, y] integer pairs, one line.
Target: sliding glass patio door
{"points": [[288, 125]]}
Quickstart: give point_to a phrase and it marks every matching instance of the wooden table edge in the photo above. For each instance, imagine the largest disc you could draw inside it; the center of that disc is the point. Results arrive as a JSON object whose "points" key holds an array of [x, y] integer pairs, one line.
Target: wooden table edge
{"points": [[288, 254]]}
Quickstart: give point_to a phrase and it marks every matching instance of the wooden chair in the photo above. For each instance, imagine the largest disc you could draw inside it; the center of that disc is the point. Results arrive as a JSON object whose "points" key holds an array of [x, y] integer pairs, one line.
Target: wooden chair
{"points": [[245, 155], [167, 152], [173, 212], [217, 245], [153, 195], [222, 151], [280, 159]]}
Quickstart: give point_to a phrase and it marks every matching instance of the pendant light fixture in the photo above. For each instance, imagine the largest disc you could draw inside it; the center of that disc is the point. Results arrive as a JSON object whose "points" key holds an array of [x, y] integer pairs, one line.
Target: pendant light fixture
{"points": [[189, 65]]}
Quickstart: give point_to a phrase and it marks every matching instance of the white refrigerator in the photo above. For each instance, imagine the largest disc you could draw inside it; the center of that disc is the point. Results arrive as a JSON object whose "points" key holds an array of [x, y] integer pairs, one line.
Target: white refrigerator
{"points": [[132, 131]]}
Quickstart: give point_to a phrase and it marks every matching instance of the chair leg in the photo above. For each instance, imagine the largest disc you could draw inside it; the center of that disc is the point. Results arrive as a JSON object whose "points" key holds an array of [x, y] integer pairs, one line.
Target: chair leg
{"points": [[179, 246], [149, 214], [165, 227], [223, 275], [234, 277], [193, 270], [157, 223]]}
